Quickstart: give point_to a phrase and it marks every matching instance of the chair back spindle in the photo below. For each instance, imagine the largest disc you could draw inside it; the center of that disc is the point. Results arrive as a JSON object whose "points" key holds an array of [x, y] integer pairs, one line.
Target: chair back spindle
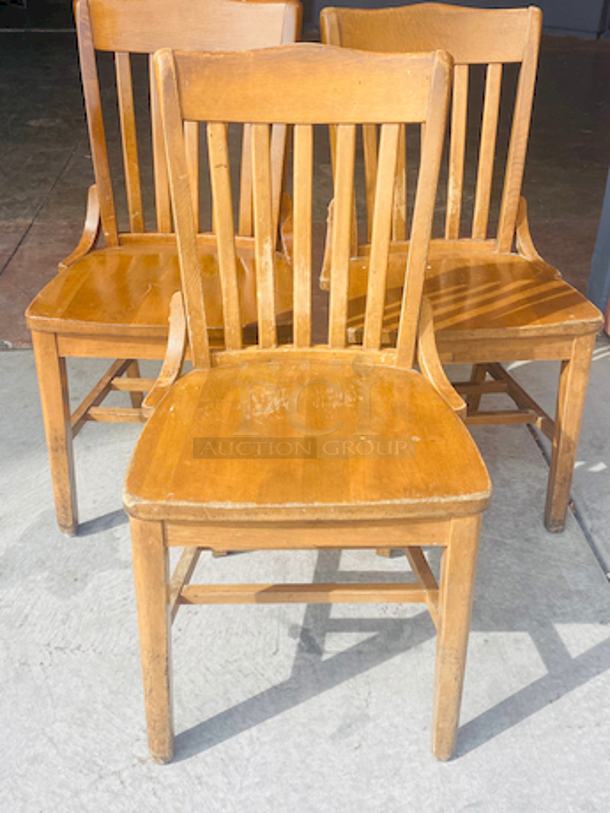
{"points": [[210, 89], [127, 29], [489, 38]]}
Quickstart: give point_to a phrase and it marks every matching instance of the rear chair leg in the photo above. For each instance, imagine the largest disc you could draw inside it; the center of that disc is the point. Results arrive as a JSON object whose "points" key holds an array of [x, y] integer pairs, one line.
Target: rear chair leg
{"points": [[573, 381], [55, 402], [133, 371], [479, 372], [458, 571], [151, 574]]}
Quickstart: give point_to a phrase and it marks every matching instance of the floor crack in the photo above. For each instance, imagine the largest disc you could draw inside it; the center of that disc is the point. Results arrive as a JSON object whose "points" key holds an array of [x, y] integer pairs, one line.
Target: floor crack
{"points": [[43, 203]]}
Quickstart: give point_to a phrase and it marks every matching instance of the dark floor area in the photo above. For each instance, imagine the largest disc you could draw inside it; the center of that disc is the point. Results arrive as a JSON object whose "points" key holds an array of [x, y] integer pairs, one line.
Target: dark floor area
{"points": [[45, 165]]}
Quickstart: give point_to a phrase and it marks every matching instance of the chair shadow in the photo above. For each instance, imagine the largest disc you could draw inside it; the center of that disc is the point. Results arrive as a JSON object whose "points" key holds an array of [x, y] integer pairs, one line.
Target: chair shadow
{"points": [[312, 675], [103, 523]]}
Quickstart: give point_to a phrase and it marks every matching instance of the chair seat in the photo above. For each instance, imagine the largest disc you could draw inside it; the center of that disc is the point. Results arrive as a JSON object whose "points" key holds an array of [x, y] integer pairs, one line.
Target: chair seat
{"points": [[298, 440], [126, 291], [490, 294], [485, 295]]}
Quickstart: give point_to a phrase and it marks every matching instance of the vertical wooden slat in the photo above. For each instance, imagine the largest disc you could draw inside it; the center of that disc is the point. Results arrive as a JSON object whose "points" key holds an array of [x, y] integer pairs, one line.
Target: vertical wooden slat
{"points": [[399, 219], [191, 143], [423, 214], [457, 150], [487, 150], [95, 124], [129, 141], [183, 212], [264, 235], [164, 220], [515, 162], [278, 151], [245, 190], [303, 180], [369, 145], [225, 232], [380, 237], [341, 237]]}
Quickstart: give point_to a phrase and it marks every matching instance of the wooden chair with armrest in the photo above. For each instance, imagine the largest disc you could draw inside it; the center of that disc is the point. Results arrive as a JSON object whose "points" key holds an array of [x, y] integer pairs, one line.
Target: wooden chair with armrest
{"points": [[491, 303], [113, 302], [287, 407]]}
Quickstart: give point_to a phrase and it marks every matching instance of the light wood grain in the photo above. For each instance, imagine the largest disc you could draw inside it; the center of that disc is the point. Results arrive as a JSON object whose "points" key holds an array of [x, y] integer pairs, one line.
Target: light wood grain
{"points": [[491, 304], [285, 444], [110, 301]]}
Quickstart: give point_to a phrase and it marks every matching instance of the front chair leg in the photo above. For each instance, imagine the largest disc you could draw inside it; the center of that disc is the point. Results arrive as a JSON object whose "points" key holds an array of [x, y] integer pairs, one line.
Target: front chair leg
{"points": [[151, 574], [55, 402], [571, 395], [458, 569]]}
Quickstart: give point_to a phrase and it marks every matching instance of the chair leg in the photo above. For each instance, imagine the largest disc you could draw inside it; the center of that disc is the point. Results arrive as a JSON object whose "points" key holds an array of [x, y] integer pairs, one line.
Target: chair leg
{"points": [[133, 371], [479, 372], [458, 571], [573, 381], [55, 402], [151, 574]]}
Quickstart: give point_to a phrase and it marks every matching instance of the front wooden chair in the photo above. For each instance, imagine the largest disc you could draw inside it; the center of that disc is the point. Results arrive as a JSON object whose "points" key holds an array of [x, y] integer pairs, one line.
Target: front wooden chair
{"points": [[113, 302], [286, 444], [491, 303]]}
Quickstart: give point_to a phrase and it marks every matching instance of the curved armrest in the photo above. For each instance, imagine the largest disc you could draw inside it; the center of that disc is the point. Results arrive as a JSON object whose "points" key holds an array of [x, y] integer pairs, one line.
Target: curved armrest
{"points": [[174, 355], [525, 244], [90, 230], [430, 363]]}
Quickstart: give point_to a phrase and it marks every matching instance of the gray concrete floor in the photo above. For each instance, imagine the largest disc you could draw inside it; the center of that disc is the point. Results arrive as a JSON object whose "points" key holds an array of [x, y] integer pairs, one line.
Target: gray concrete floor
{"points": [[302, 708], [296, 708]]}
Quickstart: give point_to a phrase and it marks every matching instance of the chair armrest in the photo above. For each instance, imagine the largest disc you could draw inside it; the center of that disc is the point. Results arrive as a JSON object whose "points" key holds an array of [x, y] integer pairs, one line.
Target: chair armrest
{"points": [[90, 230], [525, 244], [430, 363], [174, 356]]}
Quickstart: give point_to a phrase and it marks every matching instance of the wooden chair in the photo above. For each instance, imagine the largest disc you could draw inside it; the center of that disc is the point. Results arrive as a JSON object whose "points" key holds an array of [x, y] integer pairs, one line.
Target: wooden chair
{"points": [[491, 303], [113, 302], [292, 445]]}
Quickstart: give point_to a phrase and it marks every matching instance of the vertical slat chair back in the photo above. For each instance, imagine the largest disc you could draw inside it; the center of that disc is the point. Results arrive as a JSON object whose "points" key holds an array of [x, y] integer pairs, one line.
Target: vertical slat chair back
{"points": [[128, 27], [488, 37], [302, 86]]}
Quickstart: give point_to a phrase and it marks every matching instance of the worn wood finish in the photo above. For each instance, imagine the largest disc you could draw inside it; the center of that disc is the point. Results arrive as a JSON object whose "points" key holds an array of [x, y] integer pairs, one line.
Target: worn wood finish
{"points": [[458, 569], [55, 400], [151, 572], [113, 302], [491, 304], [287, 445], [573, 380]]}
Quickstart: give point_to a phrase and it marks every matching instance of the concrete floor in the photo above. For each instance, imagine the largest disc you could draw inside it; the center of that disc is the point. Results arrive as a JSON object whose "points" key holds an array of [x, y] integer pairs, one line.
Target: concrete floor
{"points": [[301, 708], [296, 708]]}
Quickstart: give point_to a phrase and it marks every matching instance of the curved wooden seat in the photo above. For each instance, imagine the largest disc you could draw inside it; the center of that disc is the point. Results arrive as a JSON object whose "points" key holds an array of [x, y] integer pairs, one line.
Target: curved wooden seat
{"points": [[491, 303], [306, 448], [491, 295], [126, 291], [483, 295]]}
